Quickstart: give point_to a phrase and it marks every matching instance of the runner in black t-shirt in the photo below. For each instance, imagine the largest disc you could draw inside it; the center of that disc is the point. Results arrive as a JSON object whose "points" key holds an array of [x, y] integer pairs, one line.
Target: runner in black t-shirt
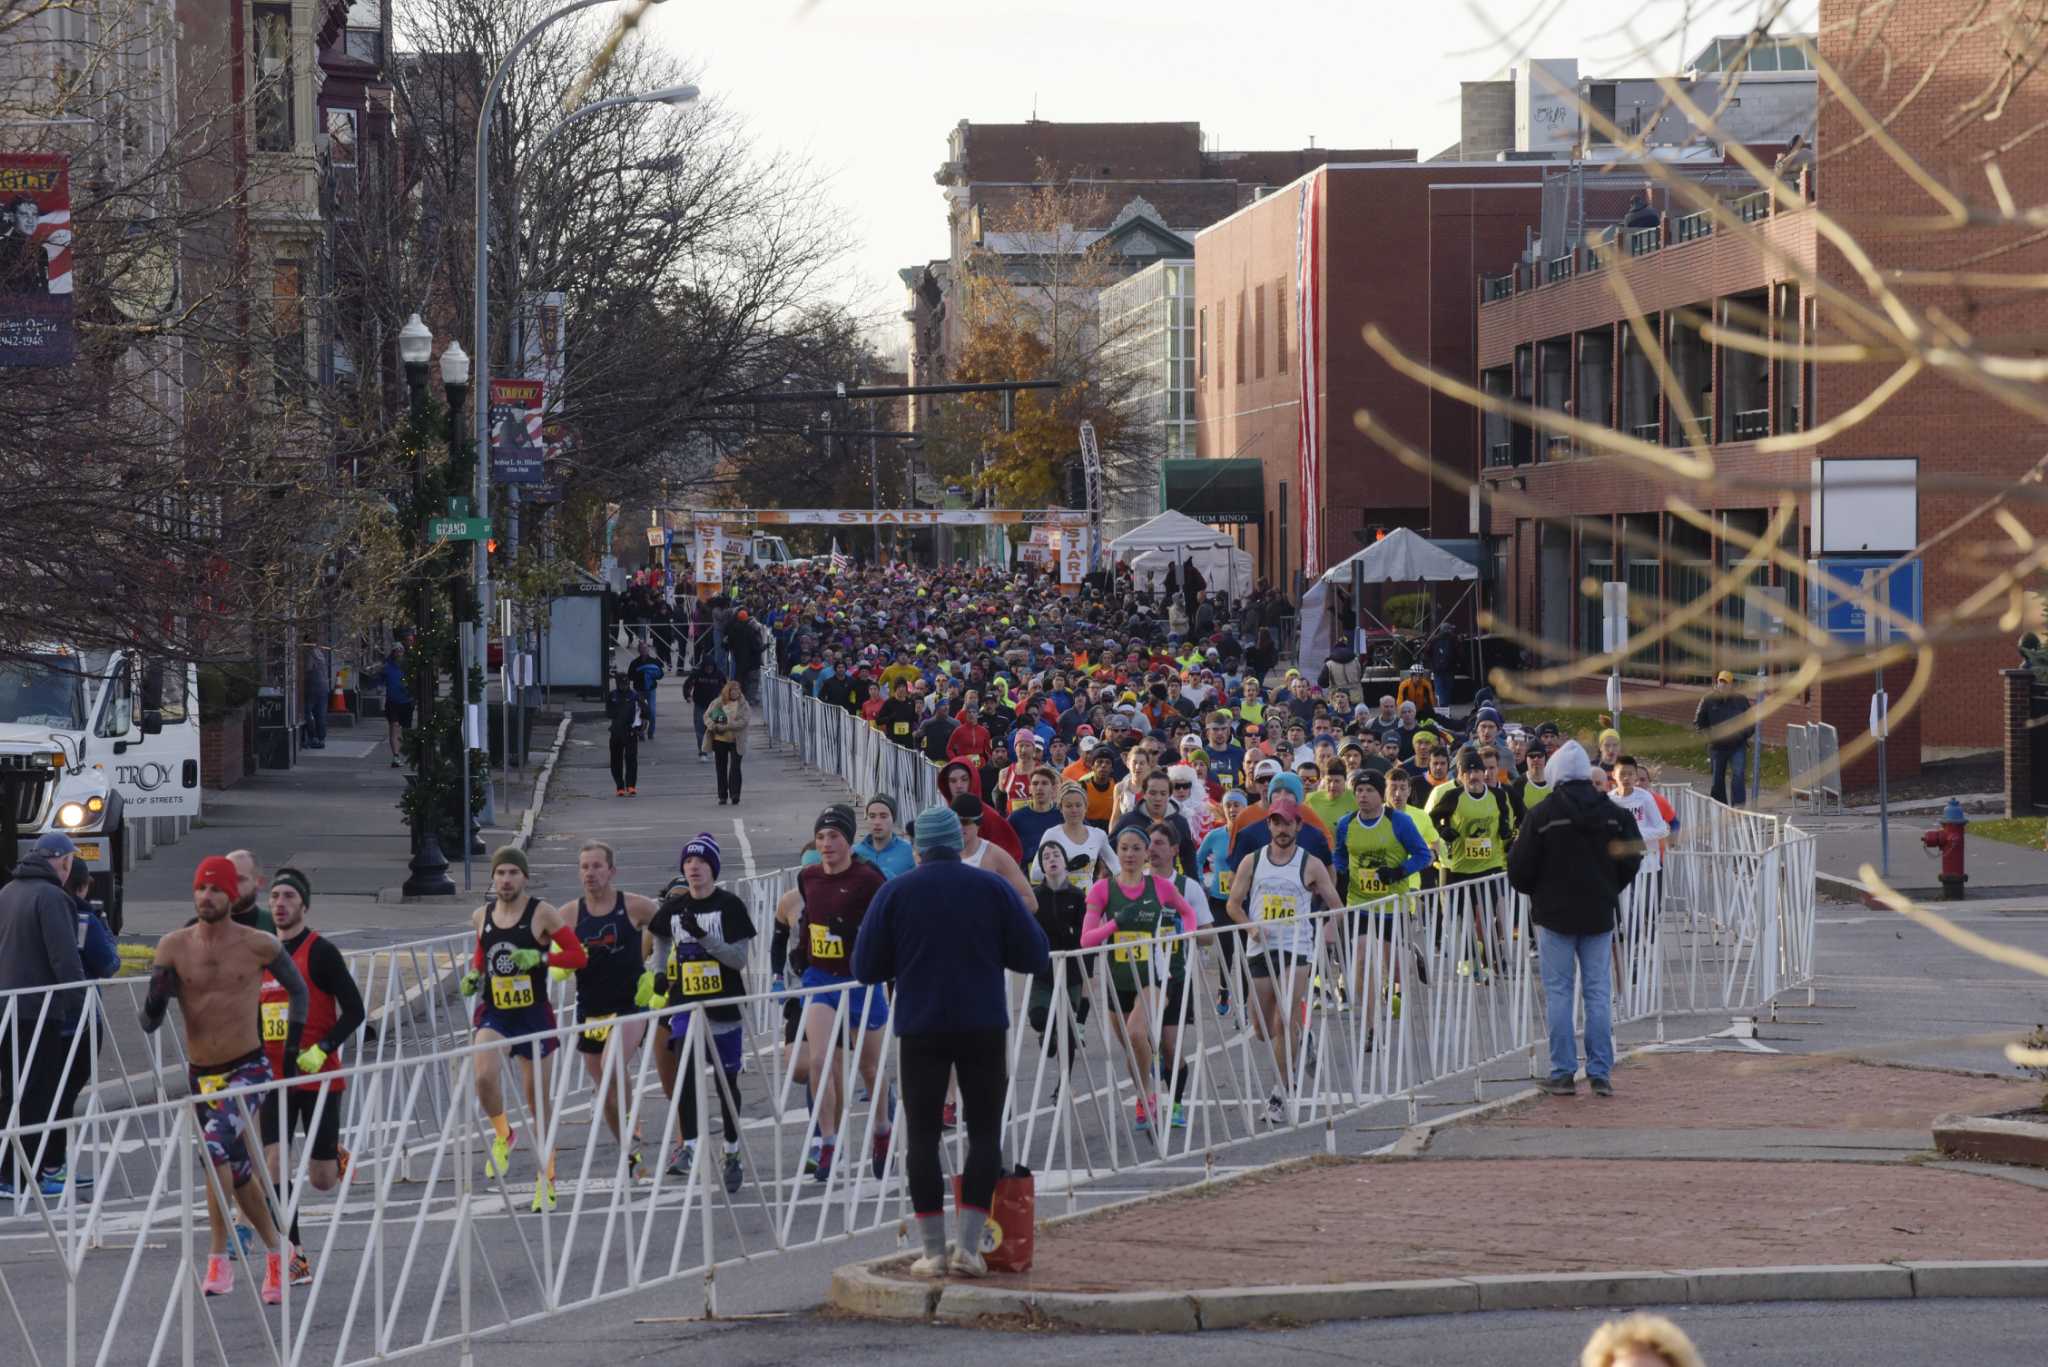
{"points": [[701, 935]]}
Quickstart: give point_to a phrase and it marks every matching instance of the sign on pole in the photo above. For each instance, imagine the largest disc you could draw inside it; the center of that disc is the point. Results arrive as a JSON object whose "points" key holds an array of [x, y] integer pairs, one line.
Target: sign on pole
{"points": [[517, 456], [441, 529], [1614, 617], [35, 260], [710, 558]]}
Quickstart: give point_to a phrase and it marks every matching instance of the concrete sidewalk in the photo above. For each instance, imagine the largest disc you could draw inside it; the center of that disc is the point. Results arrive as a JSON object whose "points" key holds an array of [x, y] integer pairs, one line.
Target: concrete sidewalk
{"points": [[334, 815]]}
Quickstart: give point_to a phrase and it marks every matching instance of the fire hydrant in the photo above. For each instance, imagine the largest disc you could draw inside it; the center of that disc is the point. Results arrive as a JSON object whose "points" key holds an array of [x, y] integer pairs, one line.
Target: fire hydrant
{"points": [[1948, 838]]}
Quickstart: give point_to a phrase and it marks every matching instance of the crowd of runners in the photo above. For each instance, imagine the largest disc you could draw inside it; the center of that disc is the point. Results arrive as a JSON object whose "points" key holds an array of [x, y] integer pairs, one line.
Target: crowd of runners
{"points": [[1141, 778]]}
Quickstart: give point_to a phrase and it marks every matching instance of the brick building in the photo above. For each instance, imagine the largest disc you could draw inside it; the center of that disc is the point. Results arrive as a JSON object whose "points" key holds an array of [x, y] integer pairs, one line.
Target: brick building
{"points": [[1399, 244], [1149, 186], [1868, 495]]}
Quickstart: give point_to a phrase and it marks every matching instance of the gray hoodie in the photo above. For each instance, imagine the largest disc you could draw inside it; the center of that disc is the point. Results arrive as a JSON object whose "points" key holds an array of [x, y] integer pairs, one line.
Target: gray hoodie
{"points": [[39, 944]]}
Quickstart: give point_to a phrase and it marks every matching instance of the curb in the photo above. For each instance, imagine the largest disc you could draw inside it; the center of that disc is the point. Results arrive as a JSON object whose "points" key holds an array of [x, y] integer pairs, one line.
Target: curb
{"points": [[861, 1289], [540, 784]]}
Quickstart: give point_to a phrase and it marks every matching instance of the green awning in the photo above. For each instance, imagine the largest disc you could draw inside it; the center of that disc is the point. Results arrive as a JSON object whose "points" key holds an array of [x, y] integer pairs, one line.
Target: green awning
{"points": [[1225, 491]]}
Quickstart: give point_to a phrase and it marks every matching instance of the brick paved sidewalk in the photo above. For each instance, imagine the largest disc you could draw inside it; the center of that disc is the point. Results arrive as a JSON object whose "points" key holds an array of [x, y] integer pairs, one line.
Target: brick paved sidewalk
{"points": [[1432, 1217]]}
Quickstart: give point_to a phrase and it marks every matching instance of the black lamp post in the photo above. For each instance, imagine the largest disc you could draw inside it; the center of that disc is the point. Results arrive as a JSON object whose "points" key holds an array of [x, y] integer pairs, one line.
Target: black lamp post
{"points": [[428, 872], [455, 379]]}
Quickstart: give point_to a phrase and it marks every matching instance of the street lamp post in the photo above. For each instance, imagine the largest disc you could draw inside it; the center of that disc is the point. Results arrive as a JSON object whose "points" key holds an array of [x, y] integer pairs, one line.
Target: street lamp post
{"points": [[427, 874], [481, 333], [455, 379]]}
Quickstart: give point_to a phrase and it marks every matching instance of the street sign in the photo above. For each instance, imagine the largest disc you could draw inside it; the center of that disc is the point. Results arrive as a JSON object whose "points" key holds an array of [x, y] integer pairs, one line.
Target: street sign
{"points": [[458, 505], [441, 529], [1614, 617]]}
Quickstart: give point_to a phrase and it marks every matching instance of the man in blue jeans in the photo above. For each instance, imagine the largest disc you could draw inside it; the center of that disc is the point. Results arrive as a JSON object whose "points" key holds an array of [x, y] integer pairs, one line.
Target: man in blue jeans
{"points": [[1719, 716], [1576, 852]]}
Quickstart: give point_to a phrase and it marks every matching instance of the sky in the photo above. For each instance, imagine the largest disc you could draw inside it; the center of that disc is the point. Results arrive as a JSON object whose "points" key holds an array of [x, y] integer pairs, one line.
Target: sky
{"points": [[868, 89]]}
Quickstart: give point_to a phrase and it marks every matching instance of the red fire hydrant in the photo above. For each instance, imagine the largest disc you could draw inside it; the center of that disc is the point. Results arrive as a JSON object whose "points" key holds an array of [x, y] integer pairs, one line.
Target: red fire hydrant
{"points": [[1948, 838]]}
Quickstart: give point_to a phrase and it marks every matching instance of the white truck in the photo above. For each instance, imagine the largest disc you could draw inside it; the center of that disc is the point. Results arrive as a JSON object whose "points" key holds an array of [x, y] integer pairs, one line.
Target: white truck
{"points": [[91, 742]]}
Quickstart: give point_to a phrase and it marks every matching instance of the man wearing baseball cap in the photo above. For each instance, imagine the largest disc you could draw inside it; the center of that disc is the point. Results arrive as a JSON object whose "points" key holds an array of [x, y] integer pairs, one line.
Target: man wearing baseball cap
{"points": [[1721, 716], [38, 949], [226, 963]]}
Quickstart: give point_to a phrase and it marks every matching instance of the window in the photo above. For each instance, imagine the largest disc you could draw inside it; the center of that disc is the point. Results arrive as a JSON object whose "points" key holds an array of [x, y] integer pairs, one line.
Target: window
{"points": [[1221, 310], [1202, 345], [1259, 333], [1280, 325], [1238, 337], [272, 102], [117, 714], [1280, 541], [341, 159], [288, 314]]}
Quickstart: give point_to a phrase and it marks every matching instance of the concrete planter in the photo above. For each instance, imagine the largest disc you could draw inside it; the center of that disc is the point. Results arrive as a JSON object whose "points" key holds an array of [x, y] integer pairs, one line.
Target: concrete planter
{"points": [[2017, 1137]]}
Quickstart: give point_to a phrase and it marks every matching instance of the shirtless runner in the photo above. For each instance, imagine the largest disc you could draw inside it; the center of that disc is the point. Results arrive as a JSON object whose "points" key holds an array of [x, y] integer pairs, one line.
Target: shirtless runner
{"points": [[214, 969]]}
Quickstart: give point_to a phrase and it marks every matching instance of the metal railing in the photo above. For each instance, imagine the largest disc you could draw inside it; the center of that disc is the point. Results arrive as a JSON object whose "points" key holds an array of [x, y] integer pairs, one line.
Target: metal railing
{"points": [[1492, 287], [1750, 424], [1500, 453], [1691, 227], [1558, 268], [1753, 208], [838, 742], [1643, 241]]}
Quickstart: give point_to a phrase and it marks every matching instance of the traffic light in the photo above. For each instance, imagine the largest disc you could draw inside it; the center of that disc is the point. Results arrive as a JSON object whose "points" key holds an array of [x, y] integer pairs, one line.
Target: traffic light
{"points": [[1077, 485]]}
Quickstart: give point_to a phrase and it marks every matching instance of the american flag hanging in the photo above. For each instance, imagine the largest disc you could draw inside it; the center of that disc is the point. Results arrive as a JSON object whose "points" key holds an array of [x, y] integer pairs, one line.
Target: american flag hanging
{"points": [[838, 562], [1305, 313]]}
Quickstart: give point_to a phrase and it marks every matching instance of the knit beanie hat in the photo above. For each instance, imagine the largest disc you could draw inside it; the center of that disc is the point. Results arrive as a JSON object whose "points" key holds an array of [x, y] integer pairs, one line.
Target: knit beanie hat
{"points": [[296, 881], [512, 855], [703, 847], [837, 817], [217, 871], [1286, 783], [886, 801], [938, 829]]}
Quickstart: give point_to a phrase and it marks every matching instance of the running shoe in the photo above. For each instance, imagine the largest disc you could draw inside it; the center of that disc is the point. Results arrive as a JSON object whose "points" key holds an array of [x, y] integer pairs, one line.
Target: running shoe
{"points": [[733, 1174], [929, 1265], [811, 1158], [1223, 1002], [498, 1161], [968, 1262], [342, 1158], [1180, 1116], [220, 1275], [823, 1172], [1559, 1084], [543, 1196], [679, 1161], [881, 1153], [302, 1268], [1276, 1108], [632, 792], [1142, 1121], [636, 1167], [52, 1180], [621, 793], [1601, 1086], [273, 1279]]}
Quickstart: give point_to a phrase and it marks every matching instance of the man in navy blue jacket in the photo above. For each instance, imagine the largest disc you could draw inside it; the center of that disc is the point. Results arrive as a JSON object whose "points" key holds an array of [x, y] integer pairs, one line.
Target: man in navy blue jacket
{"points": [[944, 932]]}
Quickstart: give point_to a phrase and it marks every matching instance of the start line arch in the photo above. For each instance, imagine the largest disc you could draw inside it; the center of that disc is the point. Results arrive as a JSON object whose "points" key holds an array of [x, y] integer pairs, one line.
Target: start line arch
{"points": [[1070, 534]]}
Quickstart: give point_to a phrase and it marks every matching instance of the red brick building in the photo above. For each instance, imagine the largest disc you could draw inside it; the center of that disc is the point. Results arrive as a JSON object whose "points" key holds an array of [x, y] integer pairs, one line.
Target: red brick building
{"points": [[1399, 244], [1555, 334]]}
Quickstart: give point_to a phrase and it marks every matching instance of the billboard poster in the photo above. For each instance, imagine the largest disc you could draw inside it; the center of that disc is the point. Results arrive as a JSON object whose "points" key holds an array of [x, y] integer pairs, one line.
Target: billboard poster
{"points": [[35, 260], [517, 456], [553, 486]]}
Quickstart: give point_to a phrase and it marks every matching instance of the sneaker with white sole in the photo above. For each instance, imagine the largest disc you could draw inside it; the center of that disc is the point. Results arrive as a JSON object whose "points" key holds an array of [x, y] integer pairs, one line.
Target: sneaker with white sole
{"points": [[1276, 1108], [930, 1265], [968, 1262]]}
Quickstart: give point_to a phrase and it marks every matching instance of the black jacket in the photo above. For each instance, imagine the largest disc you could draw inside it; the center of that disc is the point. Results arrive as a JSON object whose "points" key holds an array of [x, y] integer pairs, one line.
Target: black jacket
{"points": [[1575, 854], [39, 943], [1718, 709]]}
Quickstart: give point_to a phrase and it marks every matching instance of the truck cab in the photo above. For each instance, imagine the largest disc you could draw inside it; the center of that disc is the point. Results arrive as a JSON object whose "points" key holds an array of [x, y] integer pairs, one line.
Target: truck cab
{"points": [[89, 742]]}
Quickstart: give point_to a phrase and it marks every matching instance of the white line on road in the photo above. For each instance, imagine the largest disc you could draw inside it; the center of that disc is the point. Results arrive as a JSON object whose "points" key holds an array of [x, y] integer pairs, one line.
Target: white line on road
{"points": [[739, 833]]}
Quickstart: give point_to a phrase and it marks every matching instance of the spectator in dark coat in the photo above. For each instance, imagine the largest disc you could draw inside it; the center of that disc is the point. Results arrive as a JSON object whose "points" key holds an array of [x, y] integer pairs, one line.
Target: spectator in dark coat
{"points": [[1575, 854], [38, 949]]}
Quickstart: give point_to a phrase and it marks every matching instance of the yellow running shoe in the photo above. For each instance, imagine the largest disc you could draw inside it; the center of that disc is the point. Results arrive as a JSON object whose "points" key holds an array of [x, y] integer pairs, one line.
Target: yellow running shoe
{"points": [[543, 1196], [498, 1161]]}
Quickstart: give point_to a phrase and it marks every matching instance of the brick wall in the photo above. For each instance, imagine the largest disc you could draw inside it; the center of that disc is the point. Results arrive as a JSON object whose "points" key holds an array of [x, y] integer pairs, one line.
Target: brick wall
{"points": [[222, 748], [2019, 742]]}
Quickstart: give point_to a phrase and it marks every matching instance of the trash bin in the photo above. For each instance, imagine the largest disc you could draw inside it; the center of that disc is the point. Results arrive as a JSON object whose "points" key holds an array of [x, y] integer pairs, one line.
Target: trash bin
{"points": [[518, 723], [273, 730]]}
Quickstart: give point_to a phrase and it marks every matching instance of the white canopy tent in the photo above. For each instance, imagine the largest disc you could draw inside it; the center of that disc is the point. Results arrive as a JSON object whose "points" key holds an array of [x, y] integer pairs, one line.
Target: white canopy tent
{"points": [[1402, 556], [1170, 531], [1225, 569]]}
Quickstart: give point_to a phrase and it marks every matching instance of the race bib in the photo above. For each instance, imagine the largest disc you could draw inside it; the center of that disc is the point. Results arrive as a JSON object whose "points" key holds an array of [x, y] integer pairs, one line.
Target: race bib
{"points": [[826, 945], [276, 1021], [1131, 947], [1366, 883], [511, 993], [209, 1083], [1276, 907], [1223, 882], [1479, 847], [702, 978], [597, 1029], [901, 728]]}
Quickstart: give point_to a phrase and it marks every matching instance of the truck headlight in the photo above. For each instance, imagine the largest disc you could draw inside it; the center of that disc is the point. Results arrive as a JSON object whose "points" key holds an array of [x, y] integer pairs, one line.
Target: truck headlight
{"points": [[71, 814]]}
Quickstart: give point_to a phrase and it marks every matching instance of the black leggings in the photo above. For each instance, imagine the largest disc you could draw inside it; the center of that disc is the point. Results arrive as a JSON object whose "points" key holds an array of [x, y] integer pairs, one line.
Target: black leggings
{"points": [[726, 759], [927, 1062], [686, 1102], [626, 761]]}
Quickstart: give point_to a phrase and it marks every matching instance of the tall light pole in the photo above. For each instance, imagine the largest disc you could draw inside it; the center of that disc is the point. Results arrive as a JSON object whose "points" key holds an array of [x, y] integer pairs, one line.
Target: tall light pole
{"points": [[427, 874], [481, 323]]}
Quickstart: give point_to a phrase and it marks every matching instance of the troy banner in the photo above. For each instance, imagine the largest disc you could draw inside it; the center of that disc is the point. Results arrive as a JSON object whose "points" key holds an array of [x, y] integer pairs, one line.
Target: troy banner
{"points": [[892, 517], [35, 260], [517, 456]]}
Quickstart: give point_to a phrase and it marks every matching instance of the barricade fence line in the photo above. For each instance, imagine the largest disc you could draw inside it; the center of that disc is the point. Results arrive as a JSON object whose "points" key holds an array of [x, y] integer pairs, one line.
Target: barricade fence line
{"points": [[1379, 1003]]}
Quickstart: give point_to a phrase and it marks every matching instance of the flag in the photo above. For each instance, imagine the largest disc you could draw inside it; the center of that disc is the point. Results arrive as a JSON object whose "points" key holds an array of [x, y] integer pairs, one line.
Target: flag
{"points": [[839, 562], [1307, 352]]}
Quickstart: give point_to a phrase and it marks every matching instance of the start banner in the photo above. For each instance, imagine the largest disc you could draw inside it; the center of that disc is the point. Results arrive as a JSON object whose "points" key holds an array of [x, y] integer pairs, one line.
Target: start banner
{"points": [[894, 517]]}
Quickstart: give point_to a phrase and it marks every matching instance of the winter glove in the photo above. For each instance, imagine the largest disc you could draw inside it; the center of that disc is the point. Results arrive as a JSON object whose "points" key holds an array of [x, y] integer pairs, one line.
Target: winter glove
{"points": [[561, 975], [643, 991], [526, 960], [312, 1058], [472, 982]]}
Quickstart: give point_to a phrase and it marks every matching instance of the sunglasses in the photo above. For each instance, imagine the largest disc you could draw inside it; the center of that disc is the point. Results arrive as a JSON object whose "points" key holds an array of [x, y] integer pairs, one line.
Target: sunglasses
{"points": [[1183, 787]]}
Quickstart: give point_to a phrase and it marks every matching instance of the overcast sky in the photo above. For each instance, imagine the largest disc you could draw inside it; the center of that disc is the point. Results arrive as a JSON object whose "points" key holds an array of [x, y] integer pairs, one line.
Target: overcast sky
{"points": [[868, 89]]}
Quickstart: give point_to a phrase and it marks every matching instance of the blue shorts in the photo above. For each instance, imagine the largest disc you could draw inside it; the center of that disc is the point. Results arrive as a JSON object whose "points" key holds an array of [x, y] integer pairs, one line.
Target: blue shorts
{"points": [[727, 1037], [524, 1028], [871, 999]]}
